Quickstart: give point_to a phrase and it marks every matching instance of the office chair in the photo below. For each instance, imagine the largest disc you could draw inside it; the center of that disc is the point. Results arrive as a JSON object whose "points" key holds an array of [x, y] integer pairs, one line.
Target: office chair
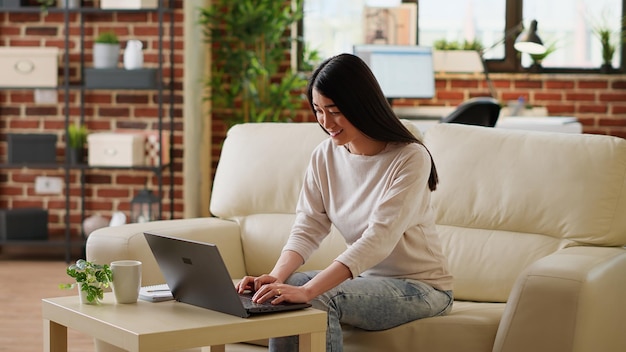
{"points": [[479, 111]]}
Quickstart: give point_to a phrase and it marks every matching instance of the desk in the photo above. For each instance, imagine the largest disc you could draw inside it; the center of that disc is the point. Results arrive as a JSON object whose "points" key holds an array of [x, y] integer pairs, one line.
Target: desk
{"points": [[171, 325], [562, 124]]}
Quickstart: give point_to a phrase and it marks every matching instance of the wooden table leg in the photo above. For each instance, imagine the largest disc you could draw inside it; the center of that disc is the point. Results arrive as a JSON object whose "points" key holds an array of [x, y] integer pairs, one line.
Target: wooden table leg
{"points": [[217, 348], [313, 342], [54, 337]]}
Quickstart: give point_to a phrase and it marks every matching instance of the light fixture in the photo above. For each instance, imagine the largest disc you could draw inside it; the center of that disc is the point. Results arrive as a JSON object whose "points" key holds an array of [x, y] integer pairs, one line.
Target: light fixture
{"points": [[529, 42]]}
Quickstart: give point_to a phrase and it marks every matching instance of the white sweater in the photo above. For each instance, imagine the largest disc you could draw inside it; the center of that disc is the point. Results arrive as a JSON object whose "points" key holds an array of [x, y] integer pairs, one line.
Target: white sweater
{"points": [[381, 206]]}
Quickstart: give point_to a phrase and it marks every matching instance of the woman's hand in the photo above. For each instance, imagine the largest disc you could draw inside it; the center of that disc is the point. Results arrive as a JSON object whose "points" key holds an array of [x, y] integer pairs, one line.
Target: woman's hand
{"points": [[278, 292], [254, 283]]}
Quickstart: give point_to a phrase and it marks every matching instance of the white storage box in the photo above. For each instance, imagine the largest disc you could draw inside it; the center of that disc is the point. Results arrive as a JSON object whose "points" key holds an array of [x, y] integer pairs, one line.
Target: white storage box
{"points": [[129, 4], [116, 149], [28, 67]]}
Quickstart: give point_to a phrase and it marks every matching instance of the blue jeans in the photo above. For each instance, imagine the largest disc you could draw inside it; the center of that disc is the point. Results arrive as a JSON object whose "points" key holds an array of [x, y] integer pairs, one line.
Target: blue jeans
{"points": [[373, 303]]}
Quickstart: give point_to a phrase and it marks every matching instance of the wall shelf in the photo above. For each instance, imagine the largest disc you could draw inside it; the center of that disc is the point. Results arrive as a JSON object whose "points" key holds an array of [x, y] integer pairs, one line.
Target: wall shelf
{"points": [[164, 97]]}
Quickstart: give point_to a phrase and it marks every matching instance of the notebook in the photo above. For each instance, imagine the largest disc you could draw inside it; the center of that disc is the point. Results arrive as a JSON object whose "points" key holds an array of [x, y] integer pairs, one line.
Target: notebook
{"points": [[197, 275], [155, 293]]}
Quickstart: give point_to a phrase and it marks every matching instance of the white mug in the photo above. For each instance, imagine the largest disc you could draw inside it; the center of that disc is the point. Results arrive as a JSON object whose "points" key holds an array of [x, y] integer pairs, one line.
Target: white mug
{"points": [[126, 280]]}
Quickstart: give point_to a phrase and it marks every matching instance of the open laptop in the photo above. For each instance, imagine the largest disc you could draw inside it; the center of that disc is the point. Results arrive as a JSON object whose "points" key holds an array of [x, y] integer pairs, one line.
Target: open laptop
{"points": [[197, 275]]}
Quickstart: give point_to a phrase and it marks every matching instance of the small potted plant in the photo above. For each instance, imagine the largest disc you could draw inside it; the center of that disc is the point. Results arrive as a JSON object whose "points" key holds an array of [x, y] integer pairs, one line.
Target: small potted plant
{"points": [[76, 139], [609, 38], [91, 280], [106, 50]]}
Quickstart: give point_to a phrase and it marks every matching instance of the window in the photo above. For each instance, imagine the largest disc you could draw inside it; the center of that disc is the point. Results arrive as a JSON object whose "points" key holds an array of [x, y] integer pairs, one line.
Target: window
{"points": [[567, 26]]}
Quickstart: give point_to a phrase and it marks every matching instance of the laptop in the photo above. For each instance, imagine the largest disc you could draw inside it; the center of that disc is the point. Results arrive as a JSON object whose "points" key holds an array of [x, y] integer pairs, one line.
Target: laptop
{"points": [[197, 275]]}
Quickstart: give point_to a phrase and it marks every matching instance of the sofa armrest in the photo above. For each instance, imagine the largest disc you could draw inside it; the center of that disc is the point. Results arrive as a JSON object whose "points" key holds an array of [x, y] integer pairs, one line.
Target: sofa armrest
{"points": [[127, 242], [571, 300]]}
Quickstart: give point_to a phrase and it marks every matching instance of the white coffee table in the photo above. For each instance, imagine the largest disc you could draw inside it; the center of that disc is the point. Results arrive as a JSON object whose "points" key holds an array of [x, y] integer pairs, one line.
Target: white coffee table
{"points": [[170, 326]]}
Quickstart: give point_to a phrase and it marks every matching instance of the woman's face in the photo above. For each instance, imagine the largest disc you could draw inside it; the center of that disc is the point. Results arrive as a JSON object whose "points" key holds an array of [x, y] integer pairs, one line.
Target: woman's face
{"points": [[334, 122]]}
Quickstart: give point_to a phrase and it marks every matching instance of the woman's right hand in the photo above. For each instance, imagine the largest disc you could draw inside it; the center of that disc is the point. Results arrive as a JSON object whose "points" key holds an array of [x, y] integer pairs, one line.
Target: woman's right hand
{"points": [[253, 283]]}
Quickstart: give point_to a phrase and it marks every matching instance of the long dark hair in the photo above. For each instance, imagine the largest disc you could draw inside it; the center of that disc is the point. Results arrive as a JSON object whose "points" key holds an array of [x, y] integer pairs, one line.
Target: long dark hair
{"points": [[351, 85]]}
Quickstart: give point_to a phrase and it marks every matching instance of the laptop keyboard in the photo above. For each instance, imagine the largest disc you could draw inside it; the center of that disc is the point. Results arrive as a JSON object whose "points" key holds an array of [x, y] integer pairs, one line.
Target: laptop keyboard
{"points": [[246, 300]]}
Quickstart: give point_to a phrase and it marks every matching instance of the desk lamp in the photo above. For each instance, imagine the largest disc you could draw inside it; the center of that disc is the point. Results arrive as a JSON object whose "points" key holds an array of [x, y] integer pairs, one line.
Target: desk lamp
{"points": [[526, 42]]}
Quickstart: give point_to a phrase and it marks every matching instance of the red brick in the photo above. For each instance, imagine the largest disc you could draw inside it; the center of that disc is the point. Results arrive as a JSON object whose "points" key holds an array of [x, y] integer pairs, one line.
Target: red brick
{"points": [[584, 108], [580, 96], [113, 193], [583, 84], [559, 84]]}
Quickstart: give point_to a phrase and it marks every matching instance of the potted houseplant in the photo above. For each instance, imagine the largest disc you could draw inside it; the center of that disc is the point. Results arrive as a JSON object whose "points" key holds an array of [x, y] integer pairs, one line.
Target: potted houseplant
{"points": [[455, 56], [106, 50], [609, 39], [91, 280], [76, 139], [249, 82]]}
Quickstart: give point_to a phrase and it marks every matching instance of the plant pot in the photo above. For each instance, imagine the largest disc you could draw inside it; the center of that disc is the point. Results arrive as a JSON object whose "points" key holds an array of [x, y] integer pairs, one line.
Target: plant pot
{"points": [[106, 55], [606, 68], [76, 156], [83, 296]]}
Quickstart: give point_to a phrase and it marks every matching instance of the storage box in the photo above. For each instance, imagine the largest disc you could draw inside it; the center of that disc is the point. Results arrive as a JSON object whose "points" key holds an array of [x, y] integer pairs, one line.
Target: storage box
{"points": [[153, 145], [116, 149], [31, 148], [144, 78], [23, 224], [29, 67], [10, 3], [129, 4]]}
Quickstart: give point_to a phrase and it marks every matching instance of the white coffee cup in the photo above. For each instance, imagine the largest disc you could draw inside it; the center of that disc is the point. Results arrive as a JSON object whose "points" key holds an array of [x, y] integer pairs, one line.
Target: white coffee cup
{"points": [[126, 280]]}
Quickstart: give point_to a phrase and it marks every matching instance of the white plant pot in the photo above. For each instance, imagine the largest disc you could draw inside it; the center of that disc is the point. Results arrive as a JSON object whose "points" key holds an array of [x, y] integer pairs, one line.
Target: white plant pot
{"points": [[106, 55], [83, 296]]}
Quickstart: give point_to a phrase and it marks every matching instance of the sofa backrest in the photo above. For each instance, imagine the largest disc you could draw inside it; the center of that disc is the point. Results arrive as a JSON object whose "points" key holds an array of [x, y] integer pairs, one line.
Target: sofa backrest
{"points": [[507, 198], [261, 168]]}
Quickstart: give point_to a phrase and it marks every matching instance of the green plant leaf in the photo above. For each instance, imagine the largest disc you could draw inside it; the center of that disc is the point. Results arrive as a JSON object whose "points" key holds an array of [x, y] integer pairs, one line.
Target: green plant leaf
{"points": [[249, 82]]}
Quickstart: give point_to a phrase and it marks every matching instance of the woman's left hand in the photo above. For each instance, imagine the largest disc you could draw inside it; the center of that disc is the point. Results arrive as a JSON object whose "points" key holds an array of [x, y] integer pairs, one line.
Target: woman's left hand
{"points": [[278, 292]]}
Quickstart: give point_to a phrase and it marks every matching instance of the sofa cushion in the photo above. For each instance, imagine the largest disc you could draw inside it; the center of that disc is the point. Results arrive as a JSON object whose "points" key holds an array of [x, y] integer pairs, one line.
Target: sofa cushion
{"points": [[470, 326], [264, 235], [496, 222]]}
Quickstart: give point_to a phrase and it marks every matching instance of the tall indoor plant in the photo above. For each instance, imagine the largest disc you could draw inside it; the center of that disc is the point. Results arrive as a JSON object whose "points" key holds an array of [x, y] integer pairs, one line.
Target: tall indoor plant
{"points": [[250, 51]]}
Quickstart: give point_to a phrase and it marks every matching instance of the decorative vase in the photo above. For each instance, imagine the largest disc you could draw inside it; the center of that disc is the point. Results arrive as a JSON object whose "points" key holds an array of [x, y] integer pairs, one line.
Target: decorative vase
{"points": [[105, 55], [133, 56]]}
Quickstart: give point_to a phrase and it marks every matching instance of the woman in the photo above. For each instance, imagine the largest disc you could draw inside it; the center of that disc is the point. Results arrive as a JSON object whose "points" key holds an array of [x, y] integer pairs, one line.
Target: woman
{"points": [[372, 179]]}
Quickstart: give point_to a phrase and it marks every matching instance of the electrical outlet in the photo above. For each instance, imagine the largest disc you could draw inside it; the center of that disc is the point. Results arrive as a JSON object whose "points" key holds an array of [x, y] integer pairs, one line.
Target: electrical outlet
{"points": [[46, 96], [48, 185]]}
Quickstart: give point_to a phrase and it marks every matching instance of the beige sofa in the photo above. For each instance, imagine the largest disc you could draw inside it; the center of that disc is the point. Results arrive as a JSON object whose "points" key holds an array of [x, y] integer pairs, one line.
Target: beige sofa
{"points": [[533, 225]]}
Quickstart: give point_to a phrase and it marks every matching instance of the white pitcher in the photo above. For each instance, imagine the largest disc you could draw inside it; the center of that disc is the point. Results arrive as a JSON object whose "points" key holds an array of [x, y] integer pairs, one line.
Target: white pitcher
{"points": [[133, 55]]}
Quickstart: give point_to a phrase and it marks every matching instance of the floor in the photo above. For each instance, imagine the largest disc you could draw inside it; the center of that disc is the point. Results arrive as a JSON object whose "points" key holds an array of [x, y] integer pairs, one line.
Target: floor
{"points": [[24, 281]]}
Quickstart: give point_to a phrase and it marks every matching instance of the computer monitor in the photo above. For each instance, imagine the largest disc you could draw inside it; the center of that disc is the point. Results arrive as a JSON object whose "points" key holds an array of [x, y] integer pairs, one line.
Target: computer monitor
{"points": [[403, 71]]}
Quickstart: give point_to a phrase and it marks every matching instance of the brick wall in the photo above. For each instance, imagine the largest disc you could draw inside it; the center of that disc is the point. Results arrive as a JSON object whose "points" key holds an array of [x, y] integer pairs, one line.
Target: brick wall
{"points": [[106, 191]]}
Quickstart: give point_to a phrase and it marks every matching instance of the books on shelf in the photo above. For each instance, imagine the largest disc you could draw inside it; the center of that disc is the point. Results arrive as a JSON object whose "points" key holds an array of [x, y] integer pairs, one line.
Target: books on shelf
{"points": [[155, 293]]}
